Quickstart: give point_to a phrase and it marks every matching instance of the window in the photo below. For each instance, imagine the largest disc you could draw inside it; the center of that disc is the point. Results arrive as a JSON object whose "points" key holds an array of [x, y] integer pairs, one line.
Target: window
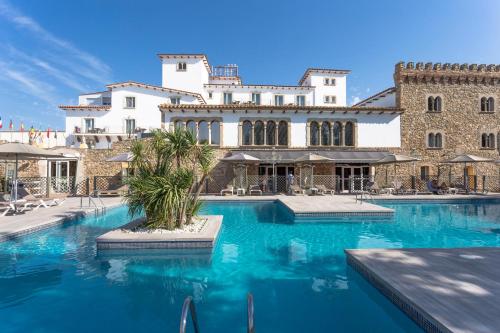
{"points": [[258, 133], [278, 100], [283, 133], [337, 134], [203, 136], [271, 133], [487, 104], [178, 124], [325, 133], [434, 104], [129, 126], [488, 140], [349, 134], [130, 102], [314, 134], [175, 100], [215, 133], [191, 126], [424, 172], [228, 98], [181, 66], [330, 99], [210, 95], [247, 133], [329, 81], [300, 100], [89, 125], [256, 98], [435, 140], [106, 100]]}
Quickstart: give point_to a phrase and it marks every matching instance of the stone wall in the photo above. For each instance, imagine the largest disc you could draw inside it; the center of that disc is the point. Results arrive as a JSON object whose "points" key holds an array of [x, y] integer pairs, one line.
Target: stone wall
{"points": [[461, 121]]}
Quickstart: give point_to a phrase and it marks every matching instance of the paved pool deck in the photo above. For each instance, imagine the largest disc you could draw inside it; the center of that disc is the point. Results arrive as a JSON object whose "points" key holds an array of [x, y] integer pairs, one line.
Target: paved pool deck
{"points": [[442, 290], [30, 221], [317, 205]]}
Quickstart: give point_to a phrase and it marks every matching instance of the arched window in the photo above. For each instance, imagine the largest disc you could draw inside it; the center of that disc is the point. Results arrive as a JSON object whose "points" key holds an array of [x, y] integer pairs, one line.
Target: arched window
{"points": [[215, 132], [258, 133], [247, 133], [431, 143], [337, 134], [492, 140], [438, 140], [430, 103], [178, 124], [191, 126], [271, 133], [325, 133], [490, 104], [484, 101], [283, 133], [314, 134], [437, 104], [349, 134], [203, 132]]}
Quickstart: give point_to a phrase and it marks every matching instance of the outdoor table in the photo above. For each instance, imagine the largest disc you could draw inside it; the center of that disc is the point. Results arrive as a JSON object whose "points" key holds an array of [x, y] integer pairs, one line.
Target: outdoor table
{"points": [[240, 191]]}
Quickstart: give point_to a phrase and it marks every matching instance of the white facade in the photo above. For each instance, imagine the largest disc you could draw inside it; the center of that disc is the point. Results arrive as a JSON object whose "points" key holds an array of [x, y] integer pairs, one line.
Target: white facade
{"points": [[130, 109]]}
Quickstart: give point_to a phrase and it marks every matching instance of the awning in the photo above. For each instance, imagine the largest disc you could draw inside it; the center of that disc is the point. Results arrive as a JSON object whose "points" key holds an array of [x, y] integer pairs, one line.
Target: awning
{"points": [[290, 156]]}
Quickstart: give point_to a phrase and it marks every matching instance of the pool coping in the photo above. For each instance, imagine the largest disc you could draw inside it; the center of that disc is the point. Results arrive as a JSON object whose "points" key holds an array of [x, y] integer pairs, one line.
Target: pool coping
{"points": [[59, 219], [122, 239]]}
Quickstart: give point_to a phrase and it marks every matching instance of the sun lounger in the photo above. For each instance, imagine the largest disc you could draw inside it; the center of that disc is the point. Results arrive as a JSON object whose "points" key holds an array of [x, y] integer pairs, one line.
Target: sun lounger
{"points": [[254, 189], [229, 189], [295, 189], [121, 190], [322, 189], [6, 207]]}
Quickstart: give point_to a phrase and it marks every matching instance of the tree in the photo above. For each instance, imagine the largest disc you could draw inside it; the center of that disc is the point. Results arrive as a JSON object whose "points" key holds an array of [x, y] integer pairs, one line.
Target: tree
{"points": [[170, 169]]}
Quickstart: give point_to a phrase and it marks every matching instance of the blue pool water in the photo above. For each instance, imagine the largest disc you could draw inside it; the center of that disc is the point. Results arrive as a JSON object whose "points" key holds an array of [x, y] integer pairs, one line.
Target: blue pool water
{"points": [[55, 281]]}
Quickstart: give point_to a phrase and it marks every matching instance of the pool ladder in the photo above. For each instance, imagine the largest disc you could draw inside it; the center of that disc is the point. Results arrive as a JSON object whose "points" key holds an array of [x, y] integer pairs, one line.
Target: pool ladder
{"points": [[99, 207], [189, 308]]}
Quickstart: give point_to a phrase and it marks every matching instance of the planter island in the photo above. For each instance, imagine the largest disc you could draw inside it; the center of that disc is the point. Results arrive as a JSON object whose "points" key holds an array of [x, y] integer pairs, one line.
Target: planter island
{"points": [[202, 234]]}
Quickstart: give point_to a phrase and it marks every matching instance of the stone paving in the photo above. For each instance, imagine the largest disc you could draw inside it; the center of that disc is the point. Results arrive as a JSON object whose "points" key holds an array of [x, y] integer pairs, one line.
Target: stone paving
{"points": [[443, 290], [12, 226]]}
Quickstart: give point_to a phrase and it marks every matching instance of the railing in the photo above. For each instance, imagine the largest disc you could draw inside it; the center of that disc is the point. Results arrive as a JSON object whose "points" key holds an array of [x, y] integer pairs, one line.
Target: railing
{"points": [[188, 307], [250, 324]]}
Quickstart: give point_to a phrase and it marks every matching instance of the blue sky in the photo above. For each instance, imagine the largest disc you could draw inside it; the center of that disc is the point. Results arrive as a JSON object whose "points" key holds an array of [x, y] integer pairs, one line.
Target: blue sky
{"points": [[52, 50]]}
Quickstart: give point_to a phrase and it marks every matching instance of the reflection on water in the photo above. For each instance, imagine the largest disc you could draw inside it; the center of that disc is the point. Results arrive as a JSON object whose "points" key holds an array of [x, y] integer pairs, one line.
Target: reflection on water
{"points": [[50, 280]]}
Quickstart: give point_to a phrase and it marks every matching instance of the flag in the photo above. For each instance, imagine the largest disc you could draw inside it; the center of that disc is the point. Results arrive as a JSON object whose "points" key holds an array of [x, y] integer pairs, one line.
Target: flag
{"points": [[11, 124], [55, 134], [1, 123], [22, 127], [48, 133]]}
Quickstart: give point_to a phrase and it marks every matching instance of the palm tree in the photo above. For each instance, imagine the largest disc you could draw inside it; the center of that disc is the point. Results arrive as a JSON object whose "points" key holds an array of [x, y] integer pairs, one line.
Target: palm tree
{"points": [[164, 186]]}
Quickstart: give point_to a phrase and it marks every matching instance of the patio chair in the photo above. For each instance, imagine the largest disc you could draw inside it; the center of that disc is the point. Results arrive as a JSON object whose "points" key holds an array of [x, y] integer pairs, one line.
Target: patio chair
{"points": [[397, 186], [432, 187], [322, 189], [254, 189], [372, 187], [295, 189], [229, 189]]}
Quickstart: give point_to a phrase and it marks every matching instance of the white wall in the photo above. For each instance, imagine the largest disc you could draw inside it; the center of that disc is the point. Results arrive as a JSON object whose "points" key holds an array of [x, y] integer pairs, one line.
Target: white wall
{"points": [[42, 141], [374, 131], [386, 101], [244, 94], [192, 80], [338, 90]]}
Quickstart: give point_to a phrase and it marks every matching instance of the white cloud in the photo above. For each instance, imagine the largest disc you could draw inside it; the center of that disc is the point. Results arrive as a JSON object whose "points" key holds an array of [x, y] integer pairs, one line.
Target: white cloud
{"points": [[355, 100]]}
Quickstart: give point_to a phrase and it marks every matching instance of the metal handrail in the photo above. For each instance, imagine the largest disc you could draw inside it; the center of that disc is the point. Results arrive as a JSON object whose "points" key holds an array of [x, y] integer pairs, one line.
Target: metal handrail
{"points": [[188, 307], [250, 324]]}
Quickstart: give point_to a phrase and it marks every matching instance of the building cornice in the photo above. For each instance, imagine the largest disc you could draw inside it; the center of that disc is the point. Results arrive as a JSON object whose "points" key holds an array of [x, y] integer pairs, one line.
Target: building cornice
{"points": [[85, 107], [282, 108], [187, 56], [157, 88], [322, 71], [446, 73], [264, 86]]}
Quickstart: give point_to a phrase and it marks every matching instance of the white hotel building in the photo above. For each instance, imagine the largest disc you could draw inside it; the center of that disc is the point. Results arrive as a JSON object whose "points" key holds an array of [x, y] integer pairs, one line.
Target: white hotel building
{"points": [[229, 114]]}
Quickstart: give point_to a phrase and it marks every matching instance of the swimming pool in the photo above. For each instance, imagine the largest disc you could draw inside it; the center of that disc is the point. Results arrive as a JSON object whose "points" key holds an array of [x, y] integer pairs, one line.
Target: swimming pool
{"points": [[54, 281]]}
